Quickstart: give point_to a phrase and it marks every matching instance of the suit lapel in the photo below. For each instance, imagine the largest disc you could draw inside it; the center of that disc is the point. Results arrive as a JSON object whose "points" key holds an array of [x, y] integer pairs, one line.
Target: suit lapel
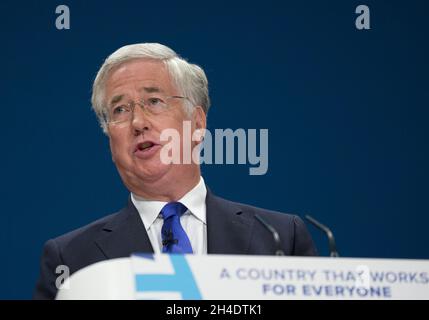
{"points": [[229, 228], [124, 235]]}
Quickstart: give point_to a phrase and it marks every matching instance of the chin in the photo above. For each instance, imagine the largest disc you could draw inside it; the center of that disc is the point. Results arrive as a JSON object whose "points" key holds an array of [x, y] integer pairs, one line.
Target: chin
{"points": [[150, 171]]}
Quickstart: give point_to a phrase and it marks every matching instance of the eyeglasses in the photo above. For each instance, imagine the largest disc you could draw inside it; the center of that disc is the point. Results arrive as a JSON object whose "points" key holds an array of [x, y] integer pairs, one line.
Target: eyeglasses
{"points": [[154, 105]]}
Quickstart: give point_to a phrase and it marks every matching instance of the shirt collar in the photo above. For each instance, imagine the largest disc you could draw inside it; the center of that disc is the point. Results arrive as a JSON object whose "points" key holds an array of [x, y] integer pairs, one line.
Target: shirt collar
{"points": [[194, 200]]}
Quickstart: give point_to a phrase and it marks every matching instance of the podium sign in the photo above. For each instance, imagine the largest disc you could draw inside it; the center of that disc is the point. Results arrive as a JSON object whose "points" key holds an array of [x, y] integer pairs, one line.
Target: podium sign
{"points": [[225, 277]]}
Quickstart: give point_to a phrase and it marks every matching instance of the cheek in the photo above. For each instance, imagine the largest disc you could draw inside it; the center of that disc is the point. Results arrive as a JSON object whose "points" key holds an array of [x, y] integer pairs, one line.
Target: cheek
{"points": [[118, 147], [181, 123], [168, 124]]}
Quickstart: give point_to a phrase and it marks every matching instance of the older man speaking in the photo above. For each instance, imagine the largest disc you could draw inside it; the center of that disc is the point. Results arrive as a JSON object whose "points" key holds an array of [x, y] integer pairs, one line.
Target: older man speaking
{"points": [[140, 91]]}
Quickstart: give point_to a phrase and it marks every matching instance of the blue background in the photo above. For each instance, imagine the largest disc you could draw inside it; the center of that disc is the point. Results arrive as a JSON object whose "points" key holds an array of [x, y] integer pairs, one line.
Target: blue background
{"points": [[346, 110]]}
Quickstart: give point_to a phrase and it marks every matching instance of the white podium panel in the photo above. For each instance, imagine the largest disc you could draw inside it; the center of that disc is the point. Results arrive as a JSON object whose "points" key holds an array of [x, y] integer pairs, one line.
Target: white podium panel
{"points": [[227, 277]]}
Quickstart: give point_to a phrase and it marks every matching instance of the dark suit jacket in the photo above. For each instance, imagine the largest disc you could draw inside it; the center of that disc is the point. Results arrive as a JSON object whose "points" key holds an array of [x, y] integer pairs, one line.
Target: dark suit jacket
{"points": [[231, 229]]}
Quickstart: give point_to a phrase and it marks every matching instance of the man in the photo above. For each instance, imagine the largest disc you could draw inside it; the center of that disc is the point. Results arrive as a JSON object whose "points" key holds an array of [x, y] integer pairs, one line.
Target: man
{"points": [[140, 91]]}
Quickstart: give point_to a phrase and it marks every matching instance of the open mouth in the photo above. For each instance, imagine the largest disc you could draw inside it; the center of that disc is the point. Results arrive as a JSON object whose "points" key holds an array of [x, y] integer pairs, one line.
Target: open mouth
{"points": [[145, 146]]}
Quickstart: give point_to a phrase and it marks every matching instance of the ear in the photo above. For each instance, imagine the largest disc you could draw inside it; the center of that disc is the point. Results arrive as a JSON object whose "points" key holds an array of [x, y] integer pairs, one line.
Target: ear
{"points": [[199, 120]]}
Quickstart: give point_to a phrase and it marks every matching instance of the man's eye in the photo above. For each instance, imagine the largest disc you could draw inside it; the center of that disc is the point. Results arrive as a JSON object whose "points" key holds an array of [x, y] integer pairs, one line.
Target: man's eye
{"points": [[120, 109], [154, 101]]}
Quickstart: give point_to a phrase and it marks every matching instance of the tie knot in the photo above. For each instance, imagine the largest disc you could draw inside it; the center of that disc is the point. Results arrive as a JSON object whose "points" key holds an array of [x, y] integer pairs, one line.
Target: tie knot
{"points": [[173, 209]]}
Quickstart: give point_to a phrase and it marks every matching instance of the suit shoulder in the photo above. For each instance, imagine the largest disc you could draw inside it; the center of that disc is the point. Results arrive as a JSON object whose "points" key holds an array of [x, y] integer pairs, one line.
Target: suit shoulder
{"points": [[265, 213], [295, 238], [86, 232], [261, 211]]}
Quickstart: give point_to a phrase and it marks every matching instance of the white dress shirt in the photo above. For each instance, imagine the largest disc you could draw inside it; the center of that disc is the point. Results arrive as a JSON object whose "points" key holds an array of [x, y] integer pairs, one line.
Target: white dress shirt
{"points": [[193, 220]]}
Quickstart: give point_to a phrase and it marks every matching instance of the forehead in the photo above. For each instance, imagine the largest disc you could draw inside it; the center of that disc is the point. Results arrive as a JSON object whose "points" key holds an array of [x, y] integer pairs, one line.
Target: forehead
{"points": [[136, 74]]}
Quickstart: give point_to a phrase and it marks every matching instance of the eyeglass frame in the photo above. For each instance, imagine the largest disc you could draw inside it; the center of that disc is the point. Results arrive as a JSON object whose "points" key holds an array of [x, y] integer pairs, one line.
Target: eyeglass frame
{"points": [[142, 105]]}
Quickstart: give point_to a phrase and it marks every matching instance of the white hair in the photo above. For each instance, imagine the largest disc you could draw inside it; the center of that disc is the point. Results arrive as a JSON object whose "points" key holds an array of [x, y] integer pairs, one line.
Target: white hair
{"points": [[189, 78]]}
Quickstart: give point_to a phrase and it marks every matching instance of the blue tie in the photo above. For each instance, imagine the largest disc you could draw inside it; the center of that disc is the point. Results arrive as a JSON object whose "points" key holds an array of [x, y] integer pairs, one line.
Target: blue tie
{"points": [[174, 238]]}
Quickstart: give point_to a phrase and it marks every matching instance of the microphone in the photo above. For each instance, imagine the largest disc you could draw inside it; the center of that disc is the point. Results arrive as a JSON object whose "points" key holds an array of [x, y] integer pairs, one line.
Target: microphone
{"points": [[168, 239], [274, 233], [332, 246]]}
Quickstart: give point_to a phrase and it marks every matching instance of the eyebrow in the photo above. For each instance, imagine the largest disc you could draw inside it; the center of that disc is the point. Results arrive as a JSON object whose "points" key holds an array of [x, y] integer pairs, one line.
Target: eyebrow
{"points": [[119, 97], [116, 99], [152, 89]]}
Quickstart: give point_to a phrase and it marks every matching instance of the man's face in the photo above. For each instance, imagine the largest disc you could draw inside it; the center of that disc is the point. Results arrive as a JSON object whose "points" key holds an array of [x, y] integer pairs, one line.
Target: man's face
{"points": [[135, 144]]}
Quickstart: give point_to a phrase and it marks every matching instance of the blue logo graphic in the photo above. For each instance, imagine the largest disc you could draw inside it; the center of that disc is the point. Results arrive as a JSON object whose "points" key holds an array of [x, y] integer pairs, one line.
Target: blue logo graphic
{"points": [[182, 280]]}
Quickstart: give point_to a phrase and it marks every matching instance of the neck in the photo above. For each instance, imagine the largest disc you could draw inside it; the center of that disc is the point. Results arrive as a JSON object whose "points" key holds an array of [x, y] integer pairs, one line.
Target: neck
{"points": [[166, 189]]}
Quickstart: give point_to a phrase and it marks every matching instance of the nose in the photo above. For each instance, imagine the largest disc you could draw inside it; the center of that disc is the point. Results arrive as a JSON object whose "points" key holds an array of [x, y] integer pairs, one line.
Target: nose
{"points": [[139, 122]]}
